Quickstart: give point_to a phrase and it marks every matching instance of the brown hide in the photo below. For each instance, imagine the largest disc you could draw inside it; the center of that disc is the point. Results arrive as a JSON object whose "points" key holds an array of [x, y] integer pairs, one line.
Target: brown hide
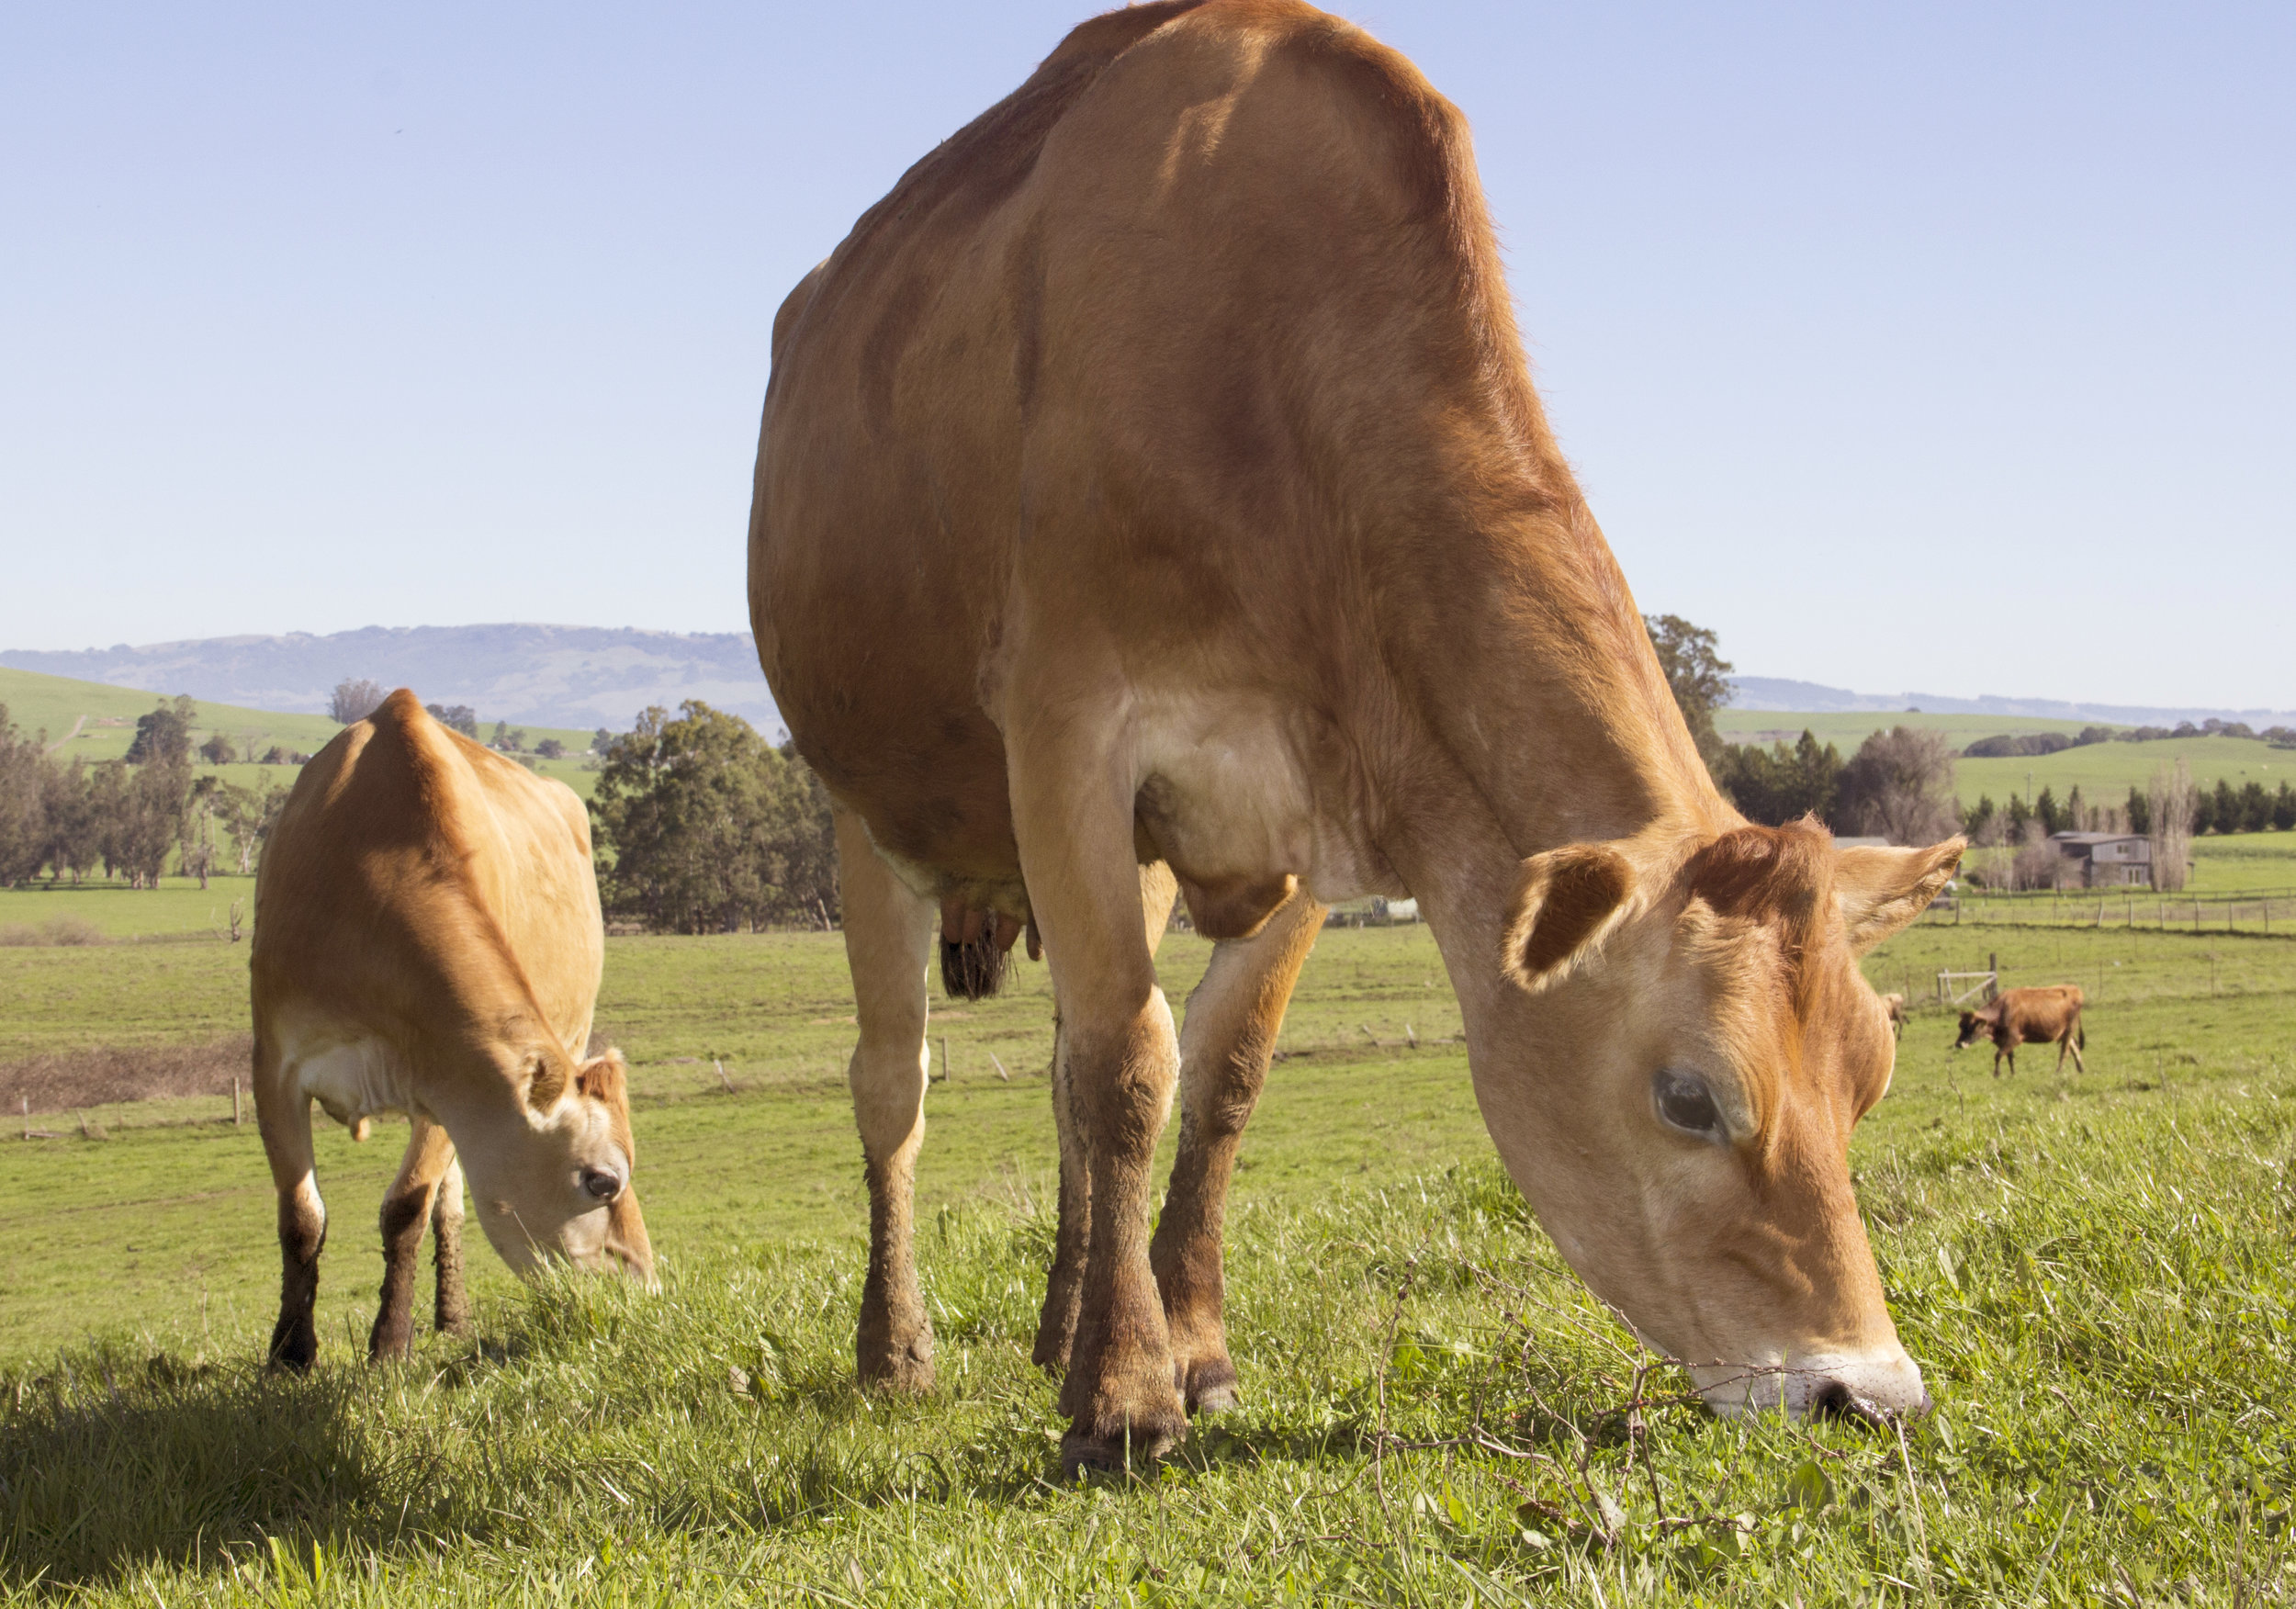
{"points": [[1154, 473], [2049, 1015], [427, 941]]}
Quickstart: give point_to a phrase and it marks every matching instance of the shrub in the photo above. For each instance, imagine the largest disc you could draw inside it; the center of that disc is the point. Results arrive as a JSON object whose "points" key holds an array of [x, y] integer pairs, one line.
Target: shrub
{"points": [[710, 828], [1899, 784], [356, 699]]}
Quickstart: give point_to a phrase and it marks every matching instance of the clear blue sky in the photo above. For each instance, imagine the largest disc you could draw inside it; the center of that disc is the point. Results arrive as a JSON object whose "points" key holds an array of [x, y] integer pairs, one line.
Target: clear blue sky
{"points": [[1938, 346]]}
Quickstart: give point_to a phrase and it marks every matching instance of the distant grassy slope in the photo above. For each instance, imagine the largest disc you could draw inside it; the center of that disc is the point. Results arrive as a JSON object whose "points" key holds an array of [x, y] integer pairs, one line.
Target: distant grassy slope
{"points": [[2244, 860], [54, 703], [1849, 728], [2105, 772]]}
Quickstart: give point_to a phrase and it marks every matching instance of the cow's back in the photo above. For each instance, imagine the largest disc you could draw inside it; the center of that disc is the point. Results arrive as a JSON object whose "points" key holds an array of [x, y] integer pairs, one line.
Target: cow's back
{"points": [[2044, 1013], [1168, 348], [413, 874]]}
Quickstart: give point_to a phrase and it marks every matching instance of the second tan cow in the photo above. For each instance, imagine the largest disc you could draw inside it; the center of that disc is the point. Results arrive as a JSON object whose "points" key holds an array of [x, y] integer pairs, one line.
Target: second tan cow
{"points": [[427, 941], [2043, 1015]]}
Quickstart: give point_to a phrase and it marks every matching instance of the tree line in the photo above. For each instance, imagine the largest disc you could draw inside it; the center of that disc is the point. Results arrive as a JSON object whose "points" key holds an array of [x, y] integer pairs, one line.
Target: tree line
{"points": [[126, 817], [1899, 783], [701, 826]]}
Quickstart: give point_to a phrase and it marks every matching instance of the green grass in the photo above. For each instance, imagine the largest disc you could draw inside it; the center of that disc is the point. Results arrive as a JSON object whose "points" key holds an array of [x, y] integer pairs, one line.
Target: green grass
{"points": [[2095, 1272]]}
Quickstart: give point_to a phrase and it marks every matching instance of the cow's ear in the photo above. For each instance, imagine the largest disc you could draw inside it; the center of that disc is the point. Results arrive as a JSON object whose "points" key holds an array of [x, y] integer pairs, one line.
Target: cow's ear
{"points": [[1566, 904], [1880, 891], [604, 1079], [546, 1079]]}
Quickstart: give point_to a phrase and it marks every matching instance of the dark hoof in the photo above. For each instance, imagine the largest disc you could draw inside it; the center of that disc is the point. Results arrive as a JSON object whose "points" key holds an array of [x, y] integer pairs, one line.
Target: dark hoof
{"points": [[293, 1350], [1102, 1453], [1208, 1386], [904, 1369]]}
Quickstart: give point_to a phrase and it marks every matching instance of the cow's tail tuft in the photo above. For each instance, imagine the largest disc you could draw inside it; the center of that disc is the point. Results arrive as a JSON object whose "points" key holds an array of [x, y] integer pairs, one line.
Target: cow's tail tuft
{"points": [[2081, 1036], [973, 970]]}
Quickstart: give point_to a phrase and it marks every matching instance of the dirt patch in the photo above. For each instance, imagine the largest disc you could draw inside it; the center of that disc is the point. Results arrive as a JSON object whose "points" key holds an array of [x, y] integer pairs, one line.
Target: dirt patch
{"points": [[69, 1080], [55, 930]]}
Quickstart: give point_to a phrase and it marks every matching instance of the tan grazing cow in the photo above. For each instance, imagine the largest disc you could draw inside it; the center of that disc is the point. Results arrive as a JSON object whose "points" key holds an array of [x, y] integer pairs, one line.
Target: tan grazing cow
{"points": [[1894, 1004], [1153, 479], [2043, 1015], [427, 941]]}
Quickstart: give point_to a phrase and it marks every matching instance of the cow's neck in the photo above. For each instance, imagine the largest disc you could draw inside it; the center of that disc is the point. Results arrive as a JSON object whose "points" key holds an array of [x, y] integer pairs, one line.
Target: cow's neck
{"points": [[1544, 720], [1528, 669]]}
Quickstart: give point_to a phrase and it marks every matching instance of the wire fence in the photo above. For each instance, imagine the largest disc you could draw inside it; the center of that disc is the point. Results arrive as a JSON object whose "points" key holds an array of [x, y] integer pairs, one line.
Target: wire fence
{"points": [[2267, 911]]}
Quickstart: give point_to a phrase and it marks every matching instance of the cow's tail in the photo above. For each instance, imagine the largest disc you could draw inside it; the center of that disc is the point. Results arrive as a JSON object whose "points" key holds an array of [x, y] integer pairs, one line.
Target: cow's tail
{"points": [[2081, 1037], [973, 971]]}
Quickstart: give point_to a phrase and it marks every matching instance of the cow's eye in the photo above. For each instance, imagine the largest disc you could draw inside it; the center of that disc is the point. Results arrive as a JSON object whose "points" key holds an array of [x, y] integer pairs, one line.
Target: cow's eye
{"points": [[1684, 1102]]}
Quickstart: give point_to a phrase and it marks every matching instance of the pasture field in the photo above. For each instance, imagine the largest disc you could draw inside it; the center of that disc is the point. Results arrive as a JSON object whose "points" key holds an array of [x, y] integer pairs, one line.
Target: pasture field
{"points": [[2106, 771], [1848, 729], [2094, 1271]]}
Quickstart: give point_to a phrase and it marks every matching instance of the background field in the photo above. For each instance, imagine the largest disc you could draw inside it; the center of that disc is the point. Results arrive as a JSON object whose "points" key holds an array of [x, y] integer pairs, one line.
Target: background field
{"points": [[2104, 772], [2094, 1271], [106, 715]]}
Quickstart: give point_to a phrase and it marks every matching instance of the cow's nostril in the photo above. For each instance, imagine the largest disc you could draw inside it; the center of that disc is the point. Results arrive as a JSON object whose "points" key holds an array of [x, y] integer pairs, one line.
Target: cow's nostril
{"points": [[1835, 1401]]}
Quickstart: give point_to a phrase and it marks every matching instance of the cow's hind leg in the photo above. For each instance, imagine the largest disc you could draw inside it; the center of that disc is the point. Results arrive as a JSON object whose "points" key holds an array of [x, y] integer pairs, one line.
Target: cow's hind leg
{"points": [[1064, 1286], [889, 934], [1225, 1042], [407, 1209], [2069, 1043], [450, 1312], [285, 1114]]}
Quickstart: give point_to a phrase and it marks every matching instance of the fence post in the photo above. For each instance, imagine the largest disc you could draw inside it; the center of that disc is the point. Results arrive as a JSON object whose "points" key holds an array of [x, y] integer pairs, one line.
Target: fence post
{"points": [[235, 1100]]}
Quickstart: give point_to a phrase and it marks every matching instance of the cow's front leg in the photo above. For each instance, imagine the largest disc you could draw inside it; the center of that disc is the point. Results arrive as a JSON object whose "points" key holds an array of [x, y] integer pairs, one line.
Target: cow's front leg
{"points": [[407, 1210], [1063, 1285], [888, 941], [1065, 1281], [1228, 1036], [1073, 803]]}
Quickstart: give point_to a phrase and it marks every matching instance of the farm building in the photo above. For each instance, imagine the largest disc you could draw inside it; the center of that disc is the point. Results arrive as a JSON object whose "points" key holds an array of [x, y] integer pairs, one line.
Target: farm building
{"points": [[2105, 860]]}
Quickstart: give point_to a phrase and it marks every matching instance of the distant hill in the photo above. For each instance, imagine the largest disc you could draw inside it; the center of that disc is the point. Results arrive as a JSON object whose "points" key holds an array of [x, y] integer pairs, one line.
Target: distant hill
{"points": [[568, 676], [1769, 692]]}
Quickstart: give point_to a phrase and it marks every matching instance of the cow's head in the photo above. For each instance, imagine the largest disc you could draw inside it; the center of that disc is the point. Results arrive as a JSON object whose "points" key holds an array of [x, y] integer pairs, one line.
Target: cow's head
{"points": [[1975, 1025], [1680, 1050], [560, 1190]]}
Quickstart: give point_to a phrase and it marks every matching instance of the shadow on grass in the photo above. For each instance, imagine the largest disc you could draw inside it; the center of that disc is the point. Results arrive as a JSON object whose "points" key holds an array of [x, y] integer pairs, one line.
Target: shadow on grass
{"points": [[106, 1464]]}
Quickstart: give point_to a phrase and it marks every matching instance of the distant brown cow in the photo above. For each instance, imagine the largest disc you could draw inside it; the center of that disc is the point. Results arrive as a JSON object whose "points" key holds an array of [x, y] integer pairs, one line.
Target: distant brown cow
{"points": [[1894, 1004], [2039, 1016]]}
